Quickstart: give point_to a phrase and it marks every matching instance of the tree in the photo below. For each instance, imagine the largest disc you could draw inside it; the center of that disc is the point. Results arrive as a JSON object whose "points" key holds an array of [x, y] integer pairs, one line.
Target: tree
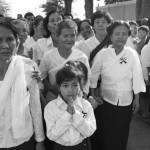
{"points": [[60, 5], [4, 7], [88, 8], [142, 9], [114, 1], [51, 5], [68, 6]]}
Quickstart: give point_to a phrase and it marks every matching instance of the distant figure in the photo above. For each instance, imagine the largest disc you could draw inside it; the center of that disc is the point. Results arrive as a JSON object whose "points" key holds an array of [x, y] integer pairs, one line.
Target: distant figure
{"points": [[68, 16], [142, 37], [23, 29], [144, 21], [37, 32], [132, 41], [29, 16], [19, 16]]}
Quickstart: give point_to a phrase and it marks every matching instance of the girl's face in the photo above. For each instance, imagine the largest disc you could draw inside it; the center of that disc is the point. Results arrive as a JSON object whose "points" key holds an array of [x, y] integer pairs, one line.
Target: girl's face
{"points": [[100, 25], [54, 19], [69, 90], [86, 30], [8, 43], [67, 38], [119, 36], [22, 28]]}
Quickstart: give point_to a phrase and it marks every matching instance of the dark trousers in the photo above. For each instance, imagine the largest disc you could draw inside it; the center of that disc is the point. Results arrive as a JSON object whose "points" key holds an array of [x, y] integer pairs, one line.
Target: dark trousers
{"points": [[29, 145], [113, 123], [82, 146]]}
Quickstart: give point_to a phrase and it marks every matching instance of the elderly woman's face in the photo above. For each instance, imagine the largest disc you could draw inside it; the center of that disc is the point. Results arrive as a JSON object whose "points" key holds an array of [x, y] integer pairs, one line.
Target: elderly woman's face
{"points": [[8, 43], [22, 28], [119, 35], [100, 25]]}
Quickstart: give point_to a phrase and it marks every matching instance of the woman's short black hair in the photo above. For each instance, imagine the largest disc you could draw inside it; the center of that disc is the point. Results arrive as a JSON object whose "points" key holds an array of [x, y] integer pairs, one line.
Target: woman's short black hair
{"points": [[28, 14], [117, 23], [66, 24], [100, 14], [36, 22], [71, 70], [80, 23], [46, 20], [144, 28], [6, 22]]}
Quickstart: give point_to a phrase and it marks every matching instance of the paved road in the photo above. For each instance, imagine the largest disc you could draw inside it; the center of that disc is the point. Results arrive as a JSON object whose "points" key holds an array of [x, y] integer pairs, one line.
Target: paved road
{"points": [[139, 137]]}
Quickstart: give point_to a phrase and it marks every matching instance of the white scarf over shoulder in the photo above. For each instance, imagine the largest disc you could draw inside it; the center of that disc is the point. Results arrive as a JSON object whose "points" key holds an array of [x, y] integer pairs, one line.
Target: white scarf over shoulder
{"points": [[14, 84]]}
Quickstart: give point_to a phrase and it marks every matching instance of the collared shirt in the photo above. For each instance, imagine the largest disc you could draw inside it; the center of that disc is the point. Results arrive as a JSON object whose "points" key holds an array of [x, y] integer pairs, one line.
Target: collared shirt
{"points": [[67, 129], [119, 93], [33, 118], [41, 46], [87, 46]]}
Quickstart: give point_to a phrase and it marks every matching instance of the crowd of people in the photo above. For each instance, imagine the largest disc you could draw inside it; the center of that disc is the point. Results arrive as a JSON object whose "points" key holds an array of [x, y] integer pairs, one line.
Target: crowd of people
{"points": [[71, 84]]}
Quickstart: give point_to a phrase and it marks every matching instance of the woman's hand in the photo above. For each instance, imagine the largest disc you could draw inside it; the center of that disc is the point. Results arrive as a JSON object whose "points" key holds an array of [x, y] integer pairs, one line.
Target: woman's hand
{"points": [[136, 104], [97, 96], [36, 75], [93, 102], [40, 146]]}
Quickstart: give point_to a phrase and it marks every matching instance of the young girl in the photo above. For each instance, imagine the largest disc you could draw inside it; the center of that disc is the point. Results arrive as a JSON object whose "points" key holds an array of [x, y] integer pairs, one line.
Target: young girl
{"points": [[70, 118]]}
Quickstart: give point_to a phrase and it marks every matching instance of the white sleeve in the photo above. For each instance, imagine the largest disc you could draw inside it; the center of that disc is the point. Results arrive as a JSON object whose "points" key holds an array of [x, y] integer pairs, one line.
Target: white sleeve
{"points": [[44, 67], [137, 78], [145, 55], [86, 87], [85, 122], [96, 70], [36, 112]]}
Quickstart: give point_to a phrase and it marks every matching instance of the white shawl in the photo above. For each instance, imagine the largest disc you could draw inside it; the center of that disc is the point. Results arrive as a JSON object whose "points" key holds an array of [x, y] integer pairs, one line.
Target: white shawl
{"points": [[14, 84]]}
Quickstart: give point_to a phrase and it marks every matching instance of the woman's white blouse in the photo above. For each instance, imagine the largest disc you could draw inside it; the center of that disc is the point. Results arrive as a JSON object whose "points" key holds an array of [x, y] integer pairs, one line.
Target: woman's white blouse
{"points": [[40, 47], [120, 93]]}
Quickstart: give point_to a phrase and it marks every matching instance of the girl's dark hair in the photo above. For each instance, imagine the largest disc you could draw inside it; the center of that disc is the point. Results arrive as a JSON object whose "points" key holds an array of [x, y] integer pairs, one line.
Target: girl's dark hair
{"points": [[46, 20], [100, 14], [72, 69], [79, 25], [7, 23], [116, 24], [36, 22]]}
